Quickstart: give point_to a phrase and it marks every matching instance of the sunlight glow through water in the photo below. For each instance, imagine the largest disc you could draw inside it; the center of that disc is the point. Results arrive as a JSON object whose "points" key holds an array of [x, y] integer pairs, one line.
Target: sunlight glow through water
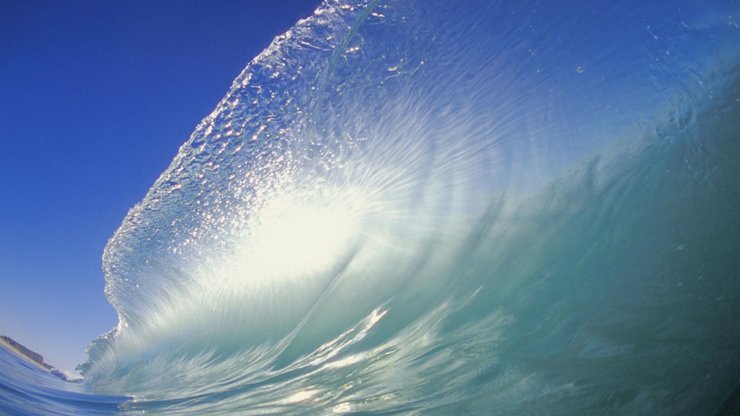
{"points": [[295, 238]]}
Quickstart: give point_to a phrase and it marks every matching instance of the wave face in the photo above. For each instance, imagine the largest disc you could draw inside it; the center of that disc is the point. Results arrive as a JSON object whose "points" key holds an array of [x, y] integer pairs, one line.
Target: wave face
{"points": [[436, 207]]}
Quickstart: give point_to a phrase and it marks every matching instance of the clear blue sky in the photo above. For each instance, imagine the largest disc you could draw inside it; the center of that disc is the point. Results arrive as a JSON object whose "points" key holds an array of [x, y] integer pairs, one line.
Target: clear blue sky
{"points": [[95, 99]]}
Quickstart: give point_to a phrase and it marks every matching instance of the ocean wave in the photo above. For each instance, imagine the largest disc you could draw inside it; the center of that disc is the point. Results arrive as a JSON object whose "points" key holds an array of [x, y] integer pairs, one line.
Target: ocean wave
{"points": [[442, 208]]}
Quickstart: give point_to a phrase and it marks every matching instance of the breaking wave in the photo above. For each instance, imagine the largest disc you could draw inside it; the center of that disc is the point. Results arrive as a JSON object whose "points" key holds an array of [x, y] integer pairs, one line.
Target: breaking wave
{"points": [[441, 207]]}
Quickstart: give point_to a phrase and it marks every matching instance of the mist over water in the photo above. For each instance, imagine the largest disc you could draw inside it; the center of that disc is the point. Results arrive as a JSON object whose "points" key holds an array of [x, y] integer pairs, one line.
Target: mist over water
{"points": [[439, 207]]}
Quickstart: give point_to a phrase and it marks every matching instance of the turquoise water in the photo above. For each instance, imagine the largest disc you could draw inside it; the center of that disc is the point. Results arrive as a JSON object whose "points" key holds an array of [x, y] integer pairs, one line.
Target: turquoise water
{"points": [[440, 208]]}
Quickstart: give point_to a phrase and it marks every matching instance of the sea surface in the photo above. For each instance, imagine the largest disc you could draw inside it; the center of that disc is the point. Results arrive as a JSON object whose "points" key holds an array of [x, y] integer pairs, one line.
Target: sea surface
{"points": [[440, 208]]}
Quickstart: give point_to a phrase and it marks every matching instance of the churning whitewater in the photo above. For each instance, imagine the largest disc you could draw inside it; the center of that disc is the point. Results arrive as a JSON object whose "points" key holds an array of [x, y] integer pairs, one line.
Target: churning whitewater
{"points": [[436, 207]]}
